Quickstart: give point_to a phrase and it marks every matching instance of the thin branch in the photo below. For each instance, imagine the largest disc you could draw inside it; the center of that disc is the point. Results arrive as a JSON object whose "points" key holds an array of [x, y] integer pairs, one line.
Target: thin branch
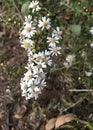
{"points": [[81, 90], [18, 12]]}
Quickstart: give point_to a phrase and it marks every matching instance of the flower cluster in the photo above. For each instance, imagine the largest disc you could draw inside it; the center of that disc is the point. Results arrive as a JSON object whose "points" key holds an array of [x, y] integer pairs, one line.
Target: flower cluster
{"points": [[69, 61], [91, 30], [40, 48]]}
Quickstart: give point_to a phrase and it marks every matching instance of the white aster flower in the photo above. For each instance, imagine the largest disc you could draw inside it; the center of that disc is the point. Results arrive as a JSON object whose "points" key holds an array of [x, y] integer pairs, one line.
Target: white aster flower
{"points": [[29, 76], [91, 45], [24, 85], [43, 83], [27, 43], [70, 58], [47, 60], [38, 73], [58, 33], [55, 50], [40, 64], [88, 74], [29, 96], [69, 61], [30, 67], [36, 92], [44, 23], [47, 53], [66, 64], [38, 56], [29, 30], [91, 30], [52, 40], [34, 5], [28, 19]]}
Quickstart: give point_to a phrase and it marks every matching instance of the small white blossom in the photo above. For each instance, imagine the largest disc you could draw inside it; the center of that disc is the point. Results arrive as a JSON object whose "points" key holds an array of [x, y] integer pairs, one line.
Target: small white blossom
{"points": [[36, 92], [54, 50], [38, 73], [29, 30], [91, 45], [44, 23], [47, 60], [88, 74], [70, 58], [69, 61], [40, 64], [38, 56], [24, 86], [58, 33], [91, 30], [34, 5], [27, 43], [66, 64], [47, 53], [28, 19], [52, 40], [30, 66]]}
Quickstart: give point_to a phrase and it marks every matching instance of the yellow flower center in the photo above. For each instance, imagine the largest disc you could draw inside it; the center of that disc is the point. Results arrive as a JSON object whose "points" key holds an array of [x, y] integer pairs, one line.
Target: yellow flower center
{"points": [[28, 29], [45, 23], [38, 58], [26, 45], [53, 40], [55, 49], [34, 6]]}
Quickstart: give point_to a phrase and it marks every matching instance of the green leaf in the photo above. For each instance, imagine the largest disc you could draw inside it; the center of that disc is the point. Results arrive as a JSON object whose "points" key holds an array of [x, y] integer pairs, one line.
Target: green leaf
{"points": [[76, 29], [24, 8], [89, 126]]}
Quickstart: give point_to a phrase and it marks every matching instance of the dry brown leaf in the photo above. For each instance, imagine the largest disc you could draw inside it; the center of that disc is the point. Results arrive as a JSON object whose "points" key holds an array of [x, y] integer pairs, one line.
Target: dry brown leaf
{"points": [[18, 116], [50, 124], [64, 119], [20, 112]]}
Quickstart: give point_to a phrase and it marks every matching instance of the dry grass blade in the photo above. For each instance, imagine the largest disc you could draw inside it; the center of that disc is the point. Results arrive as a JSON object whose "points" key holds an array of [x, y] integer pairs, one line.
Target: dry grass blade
{"points": [[50, 124], [64, 119]]}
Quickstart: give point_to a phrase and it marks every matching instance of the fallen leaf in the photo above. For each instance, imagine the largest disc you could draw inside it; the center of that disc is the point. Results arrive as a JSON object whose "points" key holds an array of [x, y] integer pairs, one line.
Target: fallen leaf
{"points": [[64, 119], [18, 116], [68, 126], [50, 124], [20, 112]]}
